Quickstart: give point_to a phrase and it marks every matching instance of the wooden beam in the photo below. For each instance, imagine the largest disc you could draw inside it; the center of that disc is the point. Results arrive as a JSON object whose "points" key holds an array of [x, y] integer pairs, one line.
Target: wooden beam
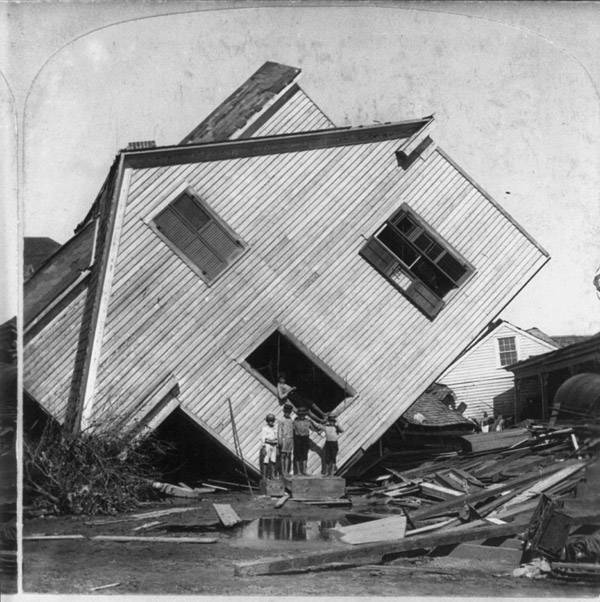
{"points": [[271, 145], [141, 538], [494, 490], [369, 553], [102, 293]]}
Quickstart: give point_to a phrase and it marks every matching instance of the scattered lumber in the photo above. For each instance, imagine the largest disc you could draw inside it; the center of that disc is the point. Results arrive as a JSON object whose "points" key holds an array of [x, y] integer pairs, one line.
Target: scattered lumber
{"points": [[384, 529], [158, 539], [142, 515], [373, 552], [227, 515], [491, 491]]}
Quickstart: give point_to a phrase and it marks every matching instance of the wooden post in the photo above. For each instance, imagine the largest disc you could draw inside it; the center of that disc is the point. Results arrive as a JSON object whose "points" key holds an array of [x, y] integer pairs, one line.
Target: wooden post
{"points": [[543, 379]]}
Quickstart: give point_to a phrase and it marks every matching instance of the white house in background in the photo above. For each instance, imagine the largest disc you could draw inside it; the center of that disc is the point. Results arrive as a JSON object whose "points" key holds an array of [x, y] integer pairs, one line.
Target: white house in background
{"points": [[479, 379]]}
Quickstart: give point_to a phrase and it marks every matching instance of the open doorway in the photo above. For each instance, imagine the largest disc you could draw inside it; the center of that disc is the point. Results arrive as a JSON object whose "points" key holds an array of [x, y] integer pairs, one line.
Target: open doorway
{"points": [[281, 354], [194, 455]]}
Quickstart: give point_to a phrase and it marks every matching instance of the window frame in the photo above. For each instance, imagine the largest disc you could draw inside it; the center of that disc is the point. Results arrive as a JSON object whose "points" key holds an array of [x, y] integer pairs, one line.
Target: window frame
{"points": [[336, 378], [414, 291], [186, 188], [499, 352]]}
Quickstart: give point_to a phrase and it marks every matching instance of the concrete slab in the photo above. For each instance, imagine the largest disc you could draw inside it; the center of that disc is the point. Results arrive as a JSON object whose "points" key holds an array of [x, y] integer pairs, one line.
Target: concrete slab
{"points": [[315, 487]]}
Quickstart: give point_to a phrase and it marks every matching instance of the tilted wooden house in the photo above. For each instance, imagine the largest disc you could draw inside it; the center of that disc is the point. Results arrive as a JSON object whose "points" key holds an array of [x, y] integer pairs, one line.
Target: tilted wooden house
{"points": [[359, 261], [479, 378]]}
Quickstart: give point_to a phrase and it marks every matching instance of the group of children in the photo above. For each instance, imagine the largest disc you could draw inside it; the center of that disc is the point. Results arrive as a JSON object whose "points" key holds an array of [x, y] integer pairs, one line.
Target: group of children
{"points": [[292, 436]]}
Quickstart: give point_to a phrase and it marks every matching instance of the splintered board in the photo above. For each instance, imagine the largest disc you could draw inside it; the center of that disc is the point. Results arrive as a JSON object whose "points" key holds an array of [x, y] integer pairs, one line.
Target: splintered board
{"points": [[227, 515], [393, 527]]}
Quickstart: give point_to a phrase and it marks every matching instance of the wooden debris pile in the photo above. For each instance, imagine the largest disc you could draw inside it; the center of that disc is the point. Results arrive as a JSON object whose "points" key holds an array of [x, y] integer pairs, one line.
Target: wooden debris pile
{"points": [[450, 500]]}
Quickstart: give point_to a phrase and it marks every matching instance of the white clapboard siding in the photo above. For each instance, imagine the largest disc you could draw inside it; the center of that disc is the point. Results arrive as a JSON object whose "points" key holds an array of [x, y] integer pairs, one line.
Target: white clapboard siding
{"points": [[48, 359], [478, 379], [304, 216], [299, 114]]}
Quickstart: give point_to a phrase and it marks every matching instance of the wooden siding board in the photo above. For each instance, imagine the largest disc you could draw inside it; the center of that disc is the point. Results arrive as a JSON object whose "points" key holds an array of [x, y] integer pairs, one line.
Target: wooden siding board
{"points": [[48, 359], [298, 114]]}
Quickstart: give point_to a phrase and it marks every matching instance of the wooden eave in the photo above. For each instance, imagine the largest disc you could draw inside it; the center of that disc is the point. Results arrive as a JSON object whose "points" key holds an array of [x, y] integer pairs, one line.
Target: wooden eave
{"points": [[272, 145], [556, 359]]}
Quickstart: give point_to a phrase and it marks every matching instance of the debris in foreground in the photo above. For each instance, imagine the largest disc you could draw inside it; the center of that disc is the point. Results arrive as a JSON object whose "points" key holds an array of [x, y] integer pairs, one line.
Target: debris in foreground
{"points": [[450, 500], [227, 515], [374, 552]]}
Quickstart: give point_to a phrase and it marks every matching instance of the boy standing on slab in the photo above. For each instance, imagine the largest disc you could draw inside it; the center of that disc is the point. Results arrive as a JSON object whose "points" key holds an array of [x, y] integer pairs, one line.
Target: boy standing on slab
{"points": [[285, 439], [302, 427], [268, 441], [330, 449]]}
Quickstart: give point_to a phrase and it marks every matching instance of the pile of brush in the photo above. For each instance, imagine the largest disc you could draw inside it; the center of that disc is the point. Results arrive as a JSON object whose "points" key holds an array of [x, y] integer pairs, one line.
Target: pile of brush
{"points": [[87, 474]]}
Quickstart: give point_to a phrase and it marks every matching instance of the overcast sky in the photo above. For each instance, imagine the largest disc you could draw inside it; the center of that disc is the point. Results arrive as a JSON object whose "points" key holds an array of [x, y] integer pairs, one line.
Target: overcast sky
{"points": [[519, 112]]}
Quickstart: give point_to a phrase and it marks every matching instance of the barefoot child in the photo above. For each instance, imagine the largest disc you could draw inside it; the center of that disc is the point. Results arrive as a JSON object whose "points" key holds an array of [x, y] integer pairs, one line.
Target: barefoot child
{"points": [[268, 441], [285, 439], [330, 449], [302, 427]]}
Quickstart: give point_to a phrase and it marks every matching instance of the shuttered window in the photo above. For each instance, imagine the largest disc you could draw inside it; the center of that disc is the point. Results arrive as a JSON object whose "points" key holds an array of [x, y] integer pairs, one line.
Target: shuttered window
{"points": [[199, 235], [416, 260]]}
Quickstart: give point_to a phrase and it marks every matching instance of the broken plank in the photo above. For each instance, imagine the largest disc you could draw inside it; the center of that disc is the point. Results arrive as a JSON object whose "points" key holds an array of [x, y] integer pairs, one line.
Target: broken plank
{"points": [[393, 527], [176, 491], [282, 500], [149, 525], [368, 553], [439, 492], [143, 539], [142, 515], [331, 502], [510, 556], [544, 483], [214, 487], [227, 515], [51, 537], [107, 586]]}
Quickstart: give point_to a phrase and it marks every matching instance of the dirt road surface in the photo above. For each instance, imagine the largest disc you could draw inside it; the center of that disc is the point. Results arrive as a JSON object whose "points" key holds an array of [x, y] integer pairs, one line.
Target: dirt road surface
{"points": [[77, 566]]}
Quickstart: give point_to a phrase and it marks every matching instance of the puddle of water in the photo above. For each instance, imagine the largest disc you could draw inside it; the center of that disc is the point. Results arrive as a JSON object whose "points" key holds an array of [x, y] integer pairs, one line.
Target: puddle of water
{"points": [[287, 529]]}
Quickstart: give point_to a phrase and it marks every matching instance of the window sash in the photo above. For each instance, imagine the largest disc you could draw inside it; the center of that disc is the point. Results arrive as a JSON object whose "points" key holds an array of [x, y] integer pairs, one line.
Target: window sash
{"points": [[417, 233], [507, 350]]}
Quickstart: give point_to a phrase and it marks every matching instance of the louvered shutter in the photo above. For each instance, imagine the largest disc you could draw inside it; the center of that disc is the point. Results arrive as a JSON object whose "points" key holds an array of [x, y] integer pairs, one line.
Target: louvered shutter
{"points": [[424, 298], [187, 241], [379, 256], [221, 241]]}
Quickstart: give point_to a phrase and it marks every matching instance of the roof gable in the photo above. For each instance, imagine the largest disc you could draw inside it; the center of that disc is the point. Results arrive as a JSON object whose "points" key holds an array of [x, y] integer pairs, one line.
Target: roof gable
{"points": [[500, 328], [238, 109]]}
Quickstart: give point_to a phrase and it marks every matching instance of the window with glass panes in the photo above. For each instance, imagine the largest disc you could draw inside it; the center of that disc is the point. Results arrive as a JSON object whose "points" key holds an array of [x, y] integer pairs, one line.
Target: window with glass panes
{"points": [[198, 234], [409, 253], [507, 348]]}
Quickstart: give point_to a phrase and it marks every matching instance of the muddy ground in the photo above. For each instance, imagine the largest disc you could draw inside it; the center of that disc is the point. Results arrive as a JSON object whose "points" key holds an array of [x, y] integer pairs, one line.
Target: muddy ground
{"points": [[77, 566]]}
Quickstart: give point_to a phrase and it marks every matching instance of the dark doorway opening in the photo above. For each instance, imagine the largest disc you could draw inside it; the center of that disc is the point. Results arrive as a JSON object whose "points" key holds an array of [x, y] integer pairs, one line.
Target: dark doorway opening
{"points": [[279, 355], [194, 455]]}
